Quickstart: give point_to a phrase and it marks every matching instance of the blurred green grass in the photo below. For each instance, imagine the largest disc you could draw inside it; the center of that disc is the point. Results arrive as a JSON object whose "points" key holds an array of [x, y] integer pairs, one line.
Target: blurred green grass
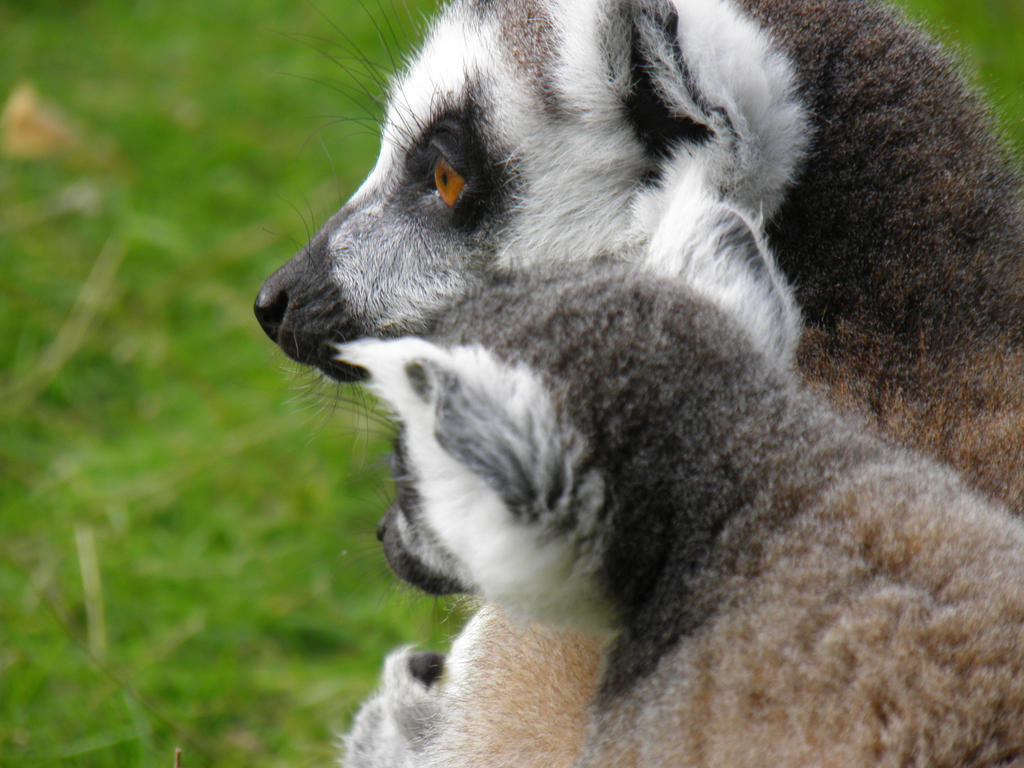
{"points": [[151, 436]]}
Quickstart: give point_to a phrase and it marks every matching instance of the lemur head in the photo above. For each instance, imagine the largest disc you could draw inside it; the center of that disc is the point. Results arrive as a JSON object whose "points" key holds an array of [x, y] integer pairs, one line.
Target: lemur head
{"points": [[529, 133], [550, 410]]}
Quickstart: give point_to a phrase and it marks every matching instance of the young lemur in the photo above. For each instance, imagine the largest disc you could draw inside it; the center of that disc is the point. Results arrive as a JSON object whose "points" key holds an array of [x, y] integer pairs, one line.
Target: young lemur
{"points": [[533, 132], [767, 583]]}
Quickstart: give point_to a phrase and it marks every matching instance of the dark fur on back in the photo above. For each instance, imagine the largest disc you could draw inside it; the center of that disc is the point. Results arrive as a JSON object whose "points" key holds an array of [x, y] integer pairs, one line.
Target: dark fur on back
{"points": [[904, 239], [653, 383], [760, 543]]}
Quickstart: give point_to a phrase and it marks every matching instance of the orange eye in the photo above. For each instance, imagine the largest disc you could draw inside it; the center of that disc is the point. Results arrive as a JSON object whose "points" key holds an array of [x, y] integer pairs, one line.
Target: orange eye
{"points": [[448, 182]]}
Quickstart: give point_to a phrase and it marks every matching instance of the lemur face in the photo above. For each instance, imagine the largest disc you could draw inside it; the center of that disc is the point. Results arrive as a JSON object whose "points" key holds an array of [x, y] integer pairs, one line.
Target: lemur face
{"points": [[411, 547], [525, 135], [492, 479]]}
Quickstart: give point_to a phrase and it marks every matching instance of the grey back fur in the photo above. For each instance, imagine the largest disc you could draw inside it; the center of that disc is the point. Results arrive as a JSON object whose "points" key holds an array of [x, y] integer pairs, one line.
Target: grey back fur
{"points": [[784, 587]]}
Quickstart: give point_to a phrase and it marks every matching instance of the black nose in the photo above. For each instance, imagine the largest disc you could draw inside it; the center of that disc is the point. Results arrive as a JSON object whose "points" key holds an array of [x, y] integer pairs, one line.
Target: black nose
{"points": [[271, 306], [426, 666], [382, 526]]}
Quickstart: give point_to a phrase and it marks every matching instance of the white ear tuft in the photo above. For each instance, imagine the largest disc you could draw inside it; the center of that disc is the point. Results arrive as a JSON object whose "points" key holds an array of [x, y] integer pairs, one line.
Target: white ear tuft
{"points": [[399, 369], [498, 474]]}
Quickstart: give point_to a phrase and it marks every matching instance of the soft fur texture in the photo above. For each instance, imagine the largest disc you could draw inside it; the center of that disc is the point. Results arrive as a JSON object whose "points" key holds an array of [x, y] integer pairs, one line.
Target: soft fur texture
{"points": [[892, 210], [888, 201], [575, 126], [776, 585], [916, 312], [490, 678]]}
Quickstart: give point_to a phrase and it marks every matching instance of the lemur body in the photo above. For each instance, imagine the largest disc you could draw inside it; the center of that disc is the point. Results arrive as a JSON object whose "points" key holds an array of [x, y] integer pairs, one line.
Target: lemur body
{"points": [[578, 125], [904, 240], [767, 581]]}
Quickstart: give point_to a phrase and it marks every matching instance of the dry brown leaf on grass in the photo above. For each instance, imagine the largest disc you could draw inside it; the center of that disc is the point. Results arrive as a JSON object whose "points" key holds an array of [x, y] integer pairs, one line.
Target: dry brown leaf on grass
{"points": [[32, 128]]}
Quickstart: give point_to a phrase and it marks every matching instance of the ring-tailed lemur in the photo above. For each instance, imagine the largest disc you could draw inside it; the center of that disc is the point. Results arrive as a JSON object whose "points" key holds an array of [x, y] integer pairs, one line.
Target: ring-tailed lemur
{"points": [[767, 582], [540, 131], [517, 694], [558, 132]]}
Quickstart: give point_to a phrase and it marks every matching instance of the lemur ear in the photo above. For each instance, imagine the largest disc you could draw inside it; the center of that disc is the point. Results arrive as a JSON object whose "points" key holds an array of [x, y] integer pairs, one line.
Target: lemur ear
{"points": [[662, 101], [502, 427], [496, 420], [701, 77], [401, 370]]}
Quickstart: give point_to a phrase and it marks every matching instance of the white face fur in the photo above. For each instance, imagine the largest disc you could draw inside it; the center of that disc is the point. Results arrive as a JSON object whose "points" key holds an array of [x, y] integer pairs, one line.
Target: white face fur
{"points": [[578, 161], [583, 129]]}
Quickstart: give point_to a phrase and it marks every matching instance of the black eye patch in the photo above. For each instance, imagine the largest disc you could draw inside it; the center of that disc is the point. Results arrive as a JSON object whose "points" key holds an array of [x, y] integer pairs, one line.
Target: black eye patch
{"points": [[457, 135]]}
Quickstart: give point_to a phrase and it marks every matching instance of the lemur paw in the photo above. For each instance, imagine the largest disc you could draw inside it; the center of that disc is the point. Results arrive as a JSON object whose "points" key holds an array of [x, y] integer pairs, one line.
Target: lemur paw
{"points": [[396, 725]]}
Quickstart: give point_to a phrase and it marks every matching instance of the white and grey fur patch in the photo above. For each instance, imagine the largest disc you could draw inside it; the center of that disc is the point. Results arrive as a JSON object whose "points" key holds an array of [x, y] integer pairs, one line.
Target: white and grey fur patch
{"points": [[573, 123], [721, 253], [503, 480], [398, 722]]}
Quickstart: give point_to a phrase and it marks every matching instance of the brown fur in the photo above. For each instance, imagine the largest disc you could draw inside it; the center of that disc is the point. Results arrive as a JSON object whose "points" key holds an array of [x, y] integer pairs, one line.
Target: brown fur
{"points": [[528, 34], [883, 628], [542, 710], [971, 418], [916, 318]]}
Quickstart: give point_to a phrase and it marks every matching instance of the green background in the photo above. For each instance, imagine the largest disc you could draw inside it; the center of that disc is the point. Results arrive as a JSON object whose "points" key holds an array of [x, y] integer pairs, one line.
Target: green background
{"points": [[152, 437]]}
